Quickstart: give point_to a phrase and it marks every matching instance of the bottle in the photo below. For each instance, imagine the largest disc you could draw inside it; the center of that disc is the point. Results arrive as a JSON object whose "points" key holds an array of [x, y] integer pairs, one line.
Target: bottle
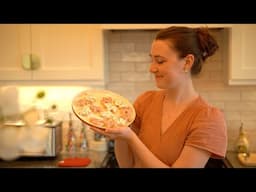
{"points": [[242, 145], [83, 141], [71, 140]]}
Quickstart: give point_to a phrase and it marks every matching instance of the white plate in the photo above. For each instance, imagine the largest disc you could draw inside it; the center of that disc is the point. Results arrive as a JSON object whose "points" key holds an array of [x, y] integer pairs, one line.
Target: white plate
{"points": [[103, 109]]}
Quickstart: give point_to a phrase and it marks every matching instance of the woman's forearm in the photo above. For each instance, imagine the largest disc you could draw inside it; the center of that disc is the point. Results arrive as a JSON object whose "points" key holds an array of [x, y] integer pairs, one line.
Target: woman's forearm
{"points": [[123, 154]]}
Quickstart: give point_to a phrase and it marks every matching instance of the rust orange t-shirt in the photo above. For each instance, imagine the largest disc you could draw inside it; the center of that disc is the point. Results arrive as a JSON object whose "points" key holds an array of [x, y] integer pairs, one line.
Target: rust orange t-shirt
{"points": [[199, 125]]}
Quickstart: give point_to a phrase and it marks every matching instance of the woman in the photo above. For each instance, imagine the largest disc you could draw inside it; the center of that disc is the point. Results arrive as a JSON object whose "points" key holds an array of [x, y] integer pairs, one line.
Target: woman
{"points": [[174, 126]]}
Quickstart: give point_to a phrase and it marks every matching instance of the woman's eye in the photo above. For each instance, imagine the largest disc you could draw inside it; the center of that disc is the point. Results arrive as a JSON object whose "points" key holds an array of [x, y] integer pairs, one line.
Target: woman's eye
{"points": [[160, 61]]}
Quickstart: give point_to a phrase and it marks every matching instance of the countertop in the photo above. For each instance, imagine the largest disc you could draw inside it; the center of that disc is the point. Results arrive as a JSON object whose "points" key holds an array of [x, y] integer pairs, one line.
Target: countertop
{"points": [[96, 157], [231, 161]]}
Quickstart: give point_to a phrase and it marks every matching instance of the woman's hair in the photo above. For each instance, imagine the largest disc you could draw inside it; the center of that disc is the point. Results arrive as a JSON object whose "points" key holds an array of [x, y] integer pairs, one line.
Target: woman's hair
{"points": [[185, 40]]}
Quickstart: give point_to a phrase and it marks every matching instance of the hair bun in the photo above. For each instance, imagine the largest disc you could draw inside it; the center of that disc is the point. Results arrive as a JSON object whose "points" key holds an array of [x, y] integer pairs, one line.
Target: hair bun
{"points": [[208, 45]]}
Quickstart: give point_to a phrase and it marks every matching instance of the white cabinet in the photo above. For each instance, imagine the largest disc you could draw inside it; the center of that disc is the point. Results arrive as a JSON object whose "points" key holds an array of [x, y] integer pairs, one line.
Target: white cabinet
{"points": [[14, 44], [242, 70], [157, 26], [51, 52]]}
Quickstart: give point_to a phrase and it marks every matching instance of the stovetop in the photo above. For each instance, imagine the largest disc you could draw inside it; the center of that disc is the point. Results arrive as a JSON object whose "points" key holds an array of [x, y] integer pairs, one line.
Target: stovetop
{"points": [[110, 159]]}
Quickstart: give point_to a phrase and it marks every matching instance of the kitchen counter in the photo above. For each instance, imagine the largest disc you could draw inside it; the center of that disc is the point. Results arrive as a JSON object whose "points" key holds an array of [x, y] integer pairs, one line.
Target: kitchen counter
{"points": [[96, 157], [231, 161]]}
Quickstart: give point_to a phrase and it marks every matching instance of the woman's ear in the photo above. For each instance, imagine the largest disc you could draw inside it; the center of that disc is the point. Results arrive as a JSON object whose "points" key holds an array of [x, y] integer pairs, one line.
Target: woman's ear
{"points": [[189, 61]]}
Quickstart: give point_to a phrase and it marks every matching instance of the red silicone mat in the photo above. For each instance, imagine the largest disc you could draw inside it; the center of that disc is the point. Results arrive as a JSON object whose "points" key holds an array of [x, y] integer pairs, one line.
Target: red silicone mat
{"points": [[74, 162]]}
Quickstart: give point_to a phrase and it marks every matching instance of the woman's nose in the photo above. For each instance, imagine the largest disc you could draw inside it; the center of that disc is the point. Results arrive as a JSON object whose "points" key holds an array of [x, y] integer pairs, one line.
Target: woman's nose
{"points": [[153, 68]]}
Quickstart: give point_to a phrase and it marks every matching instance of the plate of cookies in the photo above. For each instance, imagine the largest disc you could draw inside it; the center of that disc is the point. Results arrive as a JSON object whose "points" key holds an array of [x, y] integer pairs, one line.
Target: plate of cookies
{"points": [[103, 109]]}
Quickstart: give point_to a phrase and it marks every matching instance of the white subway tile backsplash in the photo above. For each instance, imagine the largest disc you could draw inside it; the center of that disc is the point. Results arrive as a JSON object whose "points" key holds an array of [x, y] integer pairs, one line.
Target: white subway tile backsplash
{"points": [[240, 106], [204, 95], [135, 76], [233, 125], [232, 139], [141, 87], [141, 47], [233, 115], [203, 76], [218, 104], [121, 87], [122, 47], [248, 116], [142, 66], [114, 76], [135, 57], [248, 95], [212, 65], [216, 76], [249, 125], [208, 85], [122, 66], [136, 36], [224, 96], [233, 105], [114, 56], [114, 37]]}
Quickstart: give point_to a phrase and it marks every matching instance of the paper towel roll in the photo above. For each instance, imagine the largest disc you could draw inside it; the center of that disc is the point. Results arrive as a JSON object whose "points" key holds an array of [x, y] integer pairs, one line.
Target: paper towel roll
{"points": [[9, 98]]}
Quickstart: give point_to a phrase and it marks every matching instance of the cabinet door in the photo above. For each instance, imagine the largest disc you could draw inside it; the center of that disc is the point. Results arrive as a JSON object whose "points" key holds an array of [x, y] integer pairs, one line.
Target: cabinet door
{"points": [[67, 51], [14, 46], [243, 55]]}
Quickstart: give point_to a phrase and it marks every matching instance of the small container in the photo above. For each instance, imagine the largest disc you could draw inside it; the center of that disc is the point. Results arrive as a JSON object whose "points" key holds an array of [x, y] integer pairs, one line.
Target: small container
{"points": [[242, 145]]}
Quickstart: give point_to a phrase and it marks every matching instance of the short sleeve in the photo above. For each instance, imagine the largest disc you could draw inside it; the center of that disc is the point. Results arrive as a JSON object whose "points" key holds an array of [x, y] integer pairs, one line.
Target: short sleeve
{"points": [[209, 132], [139, 105]]}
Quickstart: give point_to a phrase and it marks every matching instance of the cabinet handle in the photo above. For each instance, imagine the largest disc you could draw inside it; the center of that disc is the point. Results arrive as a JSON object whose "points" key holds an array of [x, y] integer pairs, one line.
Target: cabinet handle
{"points": [[30, 62], [35, 62], [26, 62]]}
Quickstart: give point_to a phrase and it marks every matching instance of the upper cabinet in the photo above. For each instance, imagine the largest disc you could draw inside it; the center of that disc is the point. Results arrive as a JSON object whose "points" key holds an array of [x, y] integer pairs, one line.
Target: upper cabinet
{"points": [[157, 26], [14, 44], [242, 68], [51, 52]]}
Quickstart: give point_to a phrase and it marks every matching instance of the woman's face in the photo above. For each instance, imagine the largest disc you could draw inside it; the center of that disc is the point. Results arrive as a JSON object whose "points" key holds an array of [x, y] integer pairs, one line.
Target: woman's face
{"points": [[166, 66]]}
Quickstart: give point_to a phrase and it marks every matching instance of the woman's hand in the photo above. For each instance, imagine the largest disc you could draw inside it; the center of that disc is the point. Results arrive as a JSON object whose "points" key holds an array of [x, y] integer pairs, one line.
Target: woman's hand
{"points": [[115, 133]]}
